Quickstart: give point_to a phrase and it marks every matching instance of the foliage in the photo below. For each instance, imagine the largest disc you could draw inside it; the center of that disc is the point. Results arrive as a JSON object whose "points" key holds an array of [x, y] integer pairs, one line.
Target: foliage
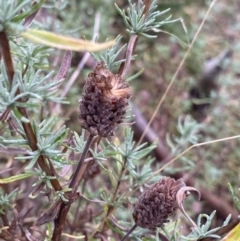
{"points": [[138, 22], [56, 166], [202, 230], [5, 200]]}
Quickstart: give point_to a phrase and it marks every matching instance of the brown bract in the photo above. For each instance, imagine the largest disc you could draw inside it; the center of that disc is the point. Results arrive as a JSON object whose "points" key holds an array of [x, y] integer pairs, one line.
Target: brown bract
{"points": [[157, 203], [104, 101]]}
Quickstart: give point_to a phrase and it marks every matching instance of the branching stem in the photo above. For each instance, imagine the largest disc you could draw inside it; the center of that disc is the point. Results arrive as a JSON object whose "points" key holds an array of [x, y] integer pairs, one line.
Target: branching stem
{"points": [[76, 179], [7, 58]]}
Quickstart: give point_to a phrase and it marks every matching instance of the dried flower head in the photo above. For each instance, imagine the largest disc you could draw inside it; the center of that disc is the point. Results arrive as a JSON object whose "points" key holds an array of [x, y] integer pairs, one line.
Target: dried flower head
{"points": [[104, 101], [157, 203]]}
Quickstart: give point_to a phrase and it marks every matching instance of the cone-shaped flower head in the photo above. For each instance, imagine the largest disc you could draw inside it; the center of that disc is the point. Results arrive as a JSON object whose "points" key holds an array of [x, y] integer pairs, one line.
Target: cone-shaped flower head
{"points": [[104, 101], [157, 203]]}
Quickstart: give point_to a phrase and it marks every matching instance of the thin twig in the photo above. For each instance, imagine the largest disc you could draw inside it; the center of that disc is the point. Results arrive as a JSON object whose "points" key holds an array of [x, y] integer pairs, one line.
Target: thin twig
{"points": [[5, 114], [76, 179], [128, 55], [129, 232], [7, 58], [5, 50], [64, 208]]}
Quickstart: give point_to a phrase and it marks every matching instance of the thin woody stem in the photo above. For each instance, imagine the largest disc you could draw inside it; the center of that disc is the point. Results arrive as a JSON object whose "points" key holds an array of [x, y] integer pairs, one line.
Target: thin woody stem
{"points": [[5, 51], [128, 55], [147, 4], [7, 58], [129, 232], [76, 179]]}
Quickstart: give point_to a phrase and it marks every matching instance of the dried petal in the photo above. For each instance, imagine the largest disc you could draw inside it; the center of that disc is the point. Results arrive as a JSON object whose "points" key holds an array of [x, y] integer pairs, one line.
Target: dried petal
{"points": [[181, 195]]}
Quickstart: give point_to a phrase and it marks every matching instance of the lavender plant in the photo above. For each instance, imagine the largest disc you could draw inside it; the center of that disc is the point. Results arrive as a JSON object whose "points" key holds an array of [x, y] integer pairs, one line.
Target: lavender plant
{"points": [[60, 184]]}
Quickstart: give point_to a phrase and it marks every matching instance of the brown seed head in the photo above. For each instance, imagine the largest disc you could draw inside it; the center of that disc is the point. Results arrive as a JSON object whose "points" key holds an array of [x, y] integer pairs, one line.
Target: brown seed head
{"points": [[104, 101], [157, 203]]}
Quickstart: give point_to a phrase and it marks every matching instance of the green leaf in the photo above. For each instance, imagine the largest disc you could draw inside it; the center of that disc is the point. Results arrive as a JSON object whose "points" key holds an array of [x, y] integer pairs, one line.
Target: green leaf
{"points": [[19, 115], [33, 161], [64, 42], [135, 75], [15, 178], [79, 141]]}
